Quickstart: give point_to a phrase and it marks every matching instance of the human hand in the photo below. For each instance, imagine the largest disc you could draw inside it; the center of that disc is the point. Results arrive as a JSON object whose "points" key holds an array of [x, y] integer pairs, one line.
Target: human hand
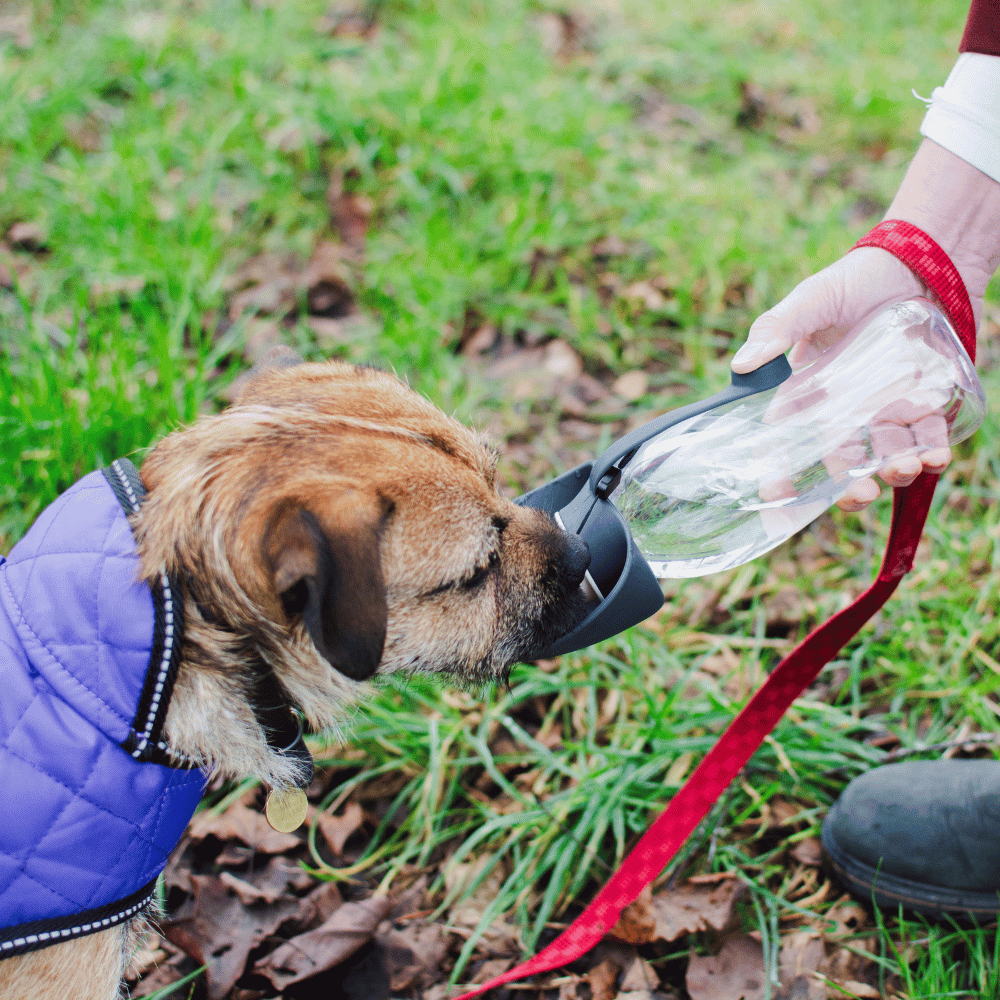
{"points": [[819, 312]]}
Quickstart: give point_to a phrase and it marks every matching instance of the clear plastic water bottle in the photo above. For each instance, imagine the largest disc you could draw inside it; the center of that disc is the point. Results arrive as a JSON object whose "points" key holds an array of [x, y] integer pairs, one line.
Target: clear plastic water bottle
{"points": [[729, 484]]}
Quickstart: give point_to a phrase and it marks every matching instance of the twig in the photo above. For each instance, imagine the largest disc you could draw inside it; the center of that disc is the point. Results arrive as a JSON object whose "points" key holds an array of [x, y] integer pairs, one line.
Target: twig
{"points": [[978, 739]]}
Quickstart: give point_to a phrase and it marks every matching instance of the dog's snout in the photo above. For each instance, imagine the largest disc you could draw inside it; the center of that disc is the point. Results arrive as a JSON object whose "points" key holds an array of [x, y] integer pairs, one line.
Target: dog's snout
{"points": [[573, 559]]}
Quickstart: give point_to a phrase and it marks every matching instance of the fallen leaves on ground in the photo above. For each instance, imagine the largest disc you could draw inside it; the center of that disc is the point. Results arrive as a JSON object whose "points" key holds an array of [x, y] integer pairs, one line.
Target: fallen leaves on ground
{"points": [[277, 285], [218, 930], [689, 909], [341, 935], [243, 824], [735, 973]]}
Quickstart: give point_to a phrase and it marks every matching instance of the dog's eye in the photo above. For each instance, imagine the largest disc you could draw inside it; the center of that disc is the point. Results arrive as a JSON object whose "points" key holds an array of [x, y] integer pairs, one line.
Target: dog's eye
{"points": [[294, 599], [476, 579], [480, 575]]}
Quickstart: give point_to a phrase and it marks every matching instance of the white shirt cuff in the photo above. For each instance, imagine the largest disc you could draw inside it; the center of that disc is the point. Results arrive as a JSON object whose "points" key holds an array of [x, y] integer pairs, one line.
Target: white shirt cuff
{"points": [[964, 114]]}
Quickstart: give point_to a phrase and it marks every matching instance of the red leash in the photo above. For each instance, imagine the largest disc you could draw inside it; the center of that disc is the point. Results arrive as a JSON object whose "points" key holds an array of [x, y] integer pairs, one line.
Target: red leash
{"points": [[795, 672]]}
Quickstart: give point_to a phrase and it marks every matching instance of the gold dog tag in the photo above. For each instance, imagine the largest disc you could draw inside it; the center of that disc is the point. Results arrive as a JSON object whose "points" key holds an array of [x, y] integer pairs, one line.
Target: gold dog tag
{"points": [[286, 808]]}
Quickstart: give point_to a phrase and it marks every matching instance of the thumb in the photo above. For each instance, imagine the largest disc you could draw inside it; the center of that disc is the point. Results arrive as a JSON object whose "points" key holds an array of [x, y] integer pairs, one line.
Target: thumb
{"points": [[813, 305]]}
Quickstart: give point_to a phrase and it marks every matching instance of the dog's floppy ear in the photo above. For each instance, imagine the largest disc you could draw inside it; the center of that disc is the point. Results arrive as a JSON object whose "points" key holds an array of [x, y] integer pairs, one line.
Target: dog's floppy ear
{"points": [[332, 577]]}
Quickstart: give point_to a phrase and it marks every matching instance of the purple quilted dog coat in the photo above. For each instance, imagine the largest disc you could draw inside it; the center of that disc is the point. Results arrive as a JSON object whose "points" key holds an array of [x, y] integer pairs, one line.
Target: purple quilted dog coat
{"points": [[93, 801]]}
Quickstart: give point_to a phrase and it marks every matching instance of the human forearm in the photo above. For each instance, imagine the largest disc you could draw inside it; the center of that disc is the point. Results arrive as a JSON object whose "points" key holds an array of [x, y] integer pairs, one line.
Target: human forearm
{"points": [[959, 207]]}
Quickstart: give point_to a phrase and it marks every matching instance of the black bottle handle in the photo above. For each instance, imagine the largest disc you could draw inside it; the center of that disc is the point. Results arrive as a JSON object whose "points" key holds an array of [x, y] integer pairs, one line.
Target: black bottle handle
{"points": [[617, 455]]}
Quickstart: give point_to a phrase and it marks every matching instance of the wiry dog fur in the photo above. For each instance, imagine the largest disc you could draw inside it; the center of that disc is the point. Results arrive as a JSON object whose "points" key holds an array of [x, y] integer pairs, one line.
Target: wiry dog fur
{"points": [[331, 524]]}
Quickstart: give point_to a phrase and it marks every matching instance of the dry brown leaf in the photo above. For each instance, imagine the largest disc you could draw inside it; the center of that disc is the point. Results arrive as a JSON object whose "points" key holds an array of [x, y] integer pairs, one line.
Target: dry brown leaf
{"points": [[27, 236], [695, 907], [610, 246], [808, 851], [6, 273], [337, 830], [349, 213], [414, 953], [637, 922], [347, 20], [569, 987], [442, 991], [845, 966], [639, 976], [849, 916], [736, 973], [632, 385], [305, 955], [854, 988], [788, 607], [267, 884], [17, 27], [542, 373], [164, 974], [677, 770], [291, 135], [490, 969], [481, 340], [561, 360], [791, 115], [147, 956], [326, 281], [603, 979], [272, 284], [783, 811], [318, 906], [85, 133], [246, 825], [591, 391], [646, 293], [801, 955], [218, 931], [562, 35]]}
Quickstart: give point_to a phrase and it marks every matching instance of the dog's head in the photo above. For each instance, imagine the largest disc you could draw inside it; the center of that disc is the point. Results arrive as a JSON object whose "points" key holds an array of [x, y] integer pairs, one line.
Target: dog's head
{"points": [[333, 525]]}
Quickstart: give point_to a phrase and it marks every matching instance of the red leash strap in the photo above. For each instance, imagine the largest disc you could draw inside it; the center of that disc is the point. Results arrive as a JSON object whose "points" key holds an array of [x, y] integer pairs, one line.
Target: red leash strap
{"points": [[933, 267], [795, 672]]}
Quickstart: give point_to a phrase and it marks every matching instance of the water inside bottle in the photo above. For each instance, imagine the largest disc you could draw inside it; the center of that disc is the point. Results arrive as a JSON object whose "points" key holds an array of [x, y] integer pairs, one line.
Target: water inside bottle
{"points": [[730, 484]]}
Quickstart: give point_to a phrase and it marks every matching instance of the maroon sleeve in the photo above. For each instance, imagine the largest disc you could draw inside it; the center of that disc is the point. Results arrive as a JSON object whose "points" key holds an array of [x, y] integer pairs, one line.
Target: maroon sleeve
{"points": [[982, 29]]}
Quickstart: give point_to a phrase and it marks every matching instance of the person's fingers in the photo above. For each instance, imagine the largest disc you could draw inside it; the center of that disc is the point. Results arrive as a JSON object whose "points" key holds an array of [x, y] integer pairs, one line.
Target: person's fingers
{"points": [[931, 431], [889, 439], [776, 489], [936, 460], [859, 495], [901, 471], [924, 439]]}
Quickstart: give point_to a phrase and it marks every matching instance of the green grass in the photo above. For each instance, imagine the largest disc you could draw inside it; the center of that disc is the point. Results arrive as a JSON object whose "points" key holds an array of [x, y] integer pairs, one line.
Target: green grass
{"points": [[158, 149]]}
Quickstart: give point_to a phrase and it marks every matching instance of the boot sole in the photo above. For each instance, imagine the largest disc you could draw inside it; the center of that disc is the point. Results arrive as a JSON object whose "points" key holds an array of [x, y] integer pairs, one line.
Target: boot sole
{"points": [[890, 892]]}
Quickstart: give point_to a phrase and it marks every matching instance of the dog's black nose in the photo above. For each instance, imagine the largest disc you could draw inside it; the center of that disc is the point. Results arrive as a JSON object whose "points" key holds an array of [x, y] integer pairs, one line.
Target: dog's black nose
{"points": [[573, 559]]}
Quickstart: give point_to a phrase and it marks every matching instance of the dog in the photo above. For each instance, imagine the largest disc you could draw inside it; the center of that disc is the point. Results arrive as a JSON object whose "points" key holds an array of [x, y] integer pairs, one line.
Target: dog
{"points": [[332, 525]]}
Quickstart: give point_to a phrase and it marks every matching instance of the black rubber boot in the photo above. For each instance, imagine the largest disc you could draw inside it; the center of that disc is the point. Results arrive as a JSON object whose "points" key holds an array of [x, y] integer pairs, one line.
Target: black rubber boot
{"points": [[923, 833]]}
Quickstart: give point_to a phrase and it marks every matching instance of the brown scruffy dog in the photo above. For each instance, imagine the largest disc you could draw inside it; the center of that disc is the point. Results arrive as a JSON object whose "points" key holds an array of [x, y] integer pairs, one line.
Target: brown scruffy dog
{"points": [[331, 525]]}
